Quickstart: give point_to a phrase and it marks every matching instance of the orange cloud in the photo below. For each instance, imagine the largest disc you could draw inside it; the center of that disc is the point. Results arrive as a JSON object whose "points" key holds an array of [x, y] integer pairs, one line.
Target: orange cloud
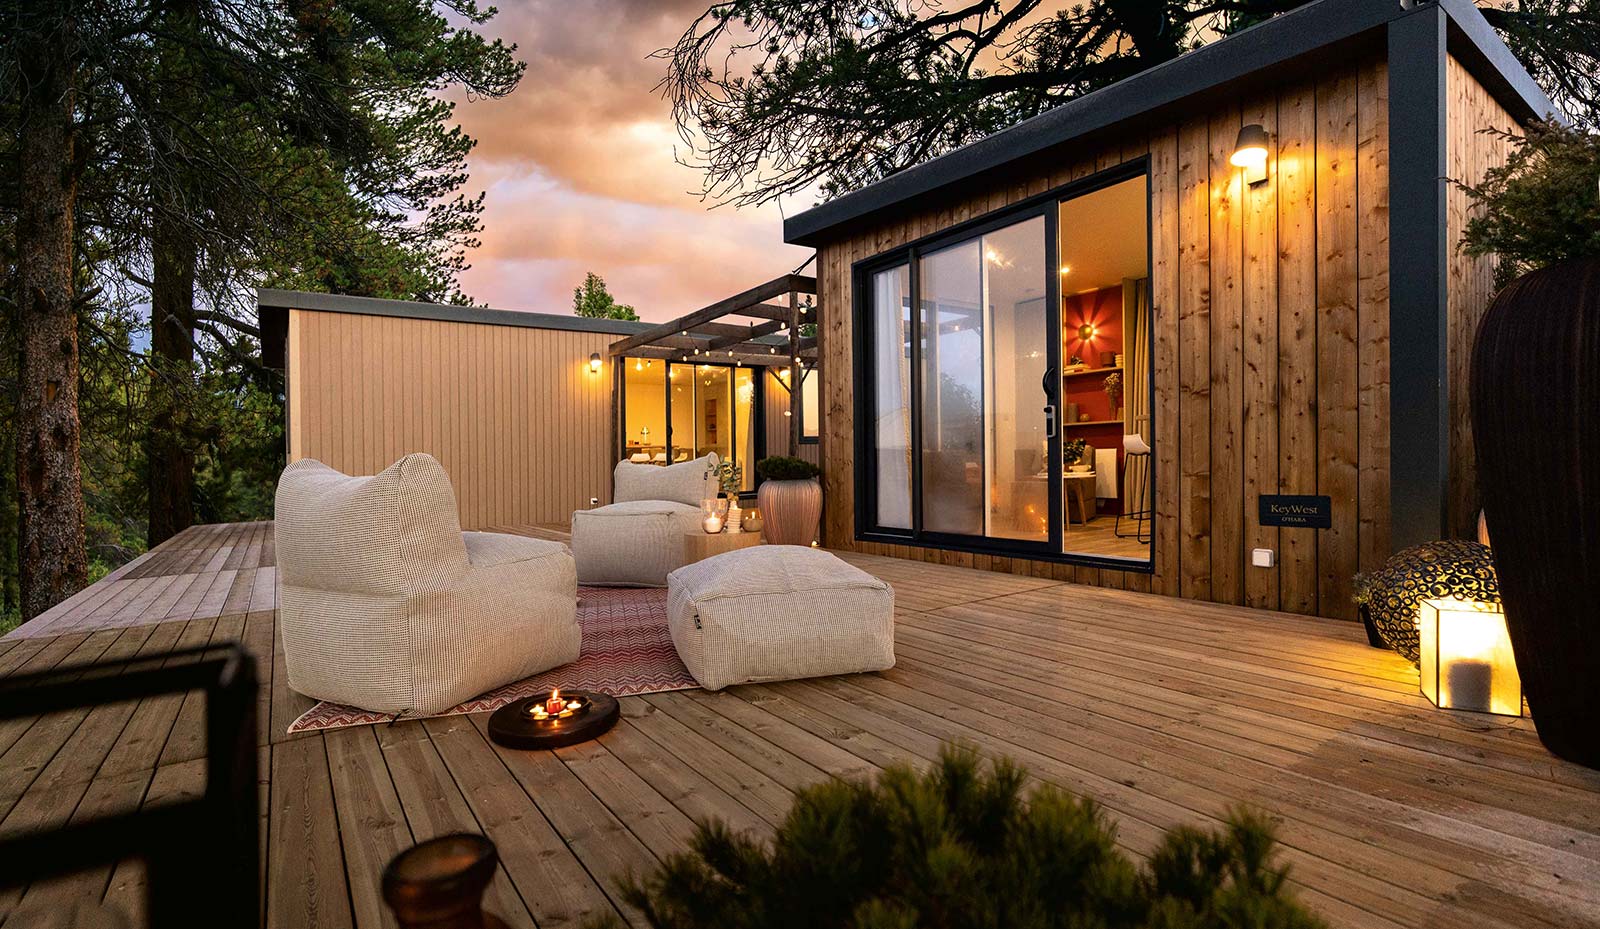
{"points": [[579, 169]]}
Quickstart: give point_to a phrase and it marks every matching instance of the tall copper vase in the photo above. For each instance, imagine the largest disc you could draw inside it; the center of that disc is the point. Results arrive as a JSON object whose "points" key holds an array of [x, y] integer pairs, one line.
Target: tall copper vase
{"points": [[791, 509], [1536, 423]]}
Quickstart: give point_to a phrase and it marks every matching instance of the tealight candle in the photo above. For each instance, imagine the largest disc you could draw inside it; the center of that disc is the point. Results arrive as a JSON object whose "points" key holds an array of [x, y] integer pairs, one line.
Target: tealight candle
{"points": [[555, 704], [712, 524]]}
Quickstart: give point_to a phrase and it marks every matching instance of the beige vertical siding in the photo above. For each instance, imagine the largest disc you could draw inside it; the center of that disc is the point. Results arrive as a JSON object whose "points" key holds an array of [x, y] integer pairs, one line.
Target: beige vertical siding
{"points": [[1270, 341], [514, 414], [1471, 152], [776, 398]]}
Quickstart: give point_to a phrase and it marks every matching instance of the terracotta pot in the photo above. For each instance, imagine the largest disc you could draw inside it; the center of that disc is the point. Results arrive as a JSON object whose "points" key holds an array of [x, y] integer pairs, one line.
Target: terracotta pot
{"points": [[1535, 402], [791, 511]]}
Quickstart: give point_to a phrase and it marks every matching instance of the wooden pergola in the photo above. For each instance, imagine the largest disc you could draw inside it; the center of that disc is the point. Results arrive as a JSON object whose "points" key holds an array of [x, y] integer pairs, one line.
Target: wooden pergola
{"points": [[771, 339]]}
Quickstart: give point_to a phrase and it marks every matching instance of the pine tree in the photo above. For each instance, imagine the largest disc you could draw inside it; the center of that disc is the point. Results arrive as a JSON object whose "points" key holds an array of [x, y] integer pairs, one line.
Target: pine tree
{"points": [[593, 300]]}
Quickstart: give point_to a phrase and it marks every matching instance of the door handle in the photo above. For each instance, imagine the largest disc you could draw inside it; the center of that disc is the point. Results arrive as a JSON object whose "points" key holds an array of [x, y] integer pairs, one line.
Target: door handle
{"points": [[1050, 421], [1048, 382]]}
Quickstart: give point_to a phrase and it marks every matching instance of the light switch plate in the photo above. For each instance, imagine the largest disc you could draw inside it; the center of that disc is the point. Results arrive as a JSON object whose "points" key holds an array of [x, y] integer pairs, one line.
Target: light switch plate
{"points": [[1263, 557]]}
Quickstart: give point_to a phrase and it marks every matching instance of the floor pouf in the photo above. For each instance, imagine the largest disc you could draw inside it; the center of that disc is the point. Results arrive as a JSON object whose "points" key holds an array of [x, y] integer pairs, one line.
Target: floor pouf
{"points": [[631, 544], [778, 612]]}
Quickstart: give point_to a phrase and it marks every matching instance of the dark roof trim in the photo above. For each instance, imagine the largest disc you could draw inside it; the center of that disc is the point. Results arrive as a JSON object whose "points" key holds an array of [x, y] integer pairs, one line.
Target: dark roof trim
{"points": [[268, 298], [1277, 42], [1484, 53]]}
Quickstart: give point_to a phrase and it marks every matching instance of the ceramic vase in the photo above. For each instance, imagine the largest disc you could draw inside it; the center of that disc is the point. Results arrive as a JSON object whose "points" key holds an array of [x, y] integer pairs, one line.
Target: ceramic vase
{"points": [[791, 511], [1535, 401]]}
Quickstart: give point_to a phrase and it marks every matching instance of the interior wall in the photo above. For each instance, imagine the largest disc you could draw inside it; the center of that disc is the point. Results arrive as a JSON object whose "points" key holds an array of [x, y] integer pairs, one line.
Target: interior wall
{"points": [[1470, 287], [1270, 343], [516, 417]]}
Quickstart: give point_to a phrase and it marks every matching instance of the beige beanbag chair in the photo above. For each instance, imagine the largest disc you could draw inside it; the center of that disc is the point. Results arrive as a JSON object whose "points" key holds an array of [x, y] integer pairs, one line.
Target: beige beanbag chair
{"points": [[385, 604], [637, 540]]}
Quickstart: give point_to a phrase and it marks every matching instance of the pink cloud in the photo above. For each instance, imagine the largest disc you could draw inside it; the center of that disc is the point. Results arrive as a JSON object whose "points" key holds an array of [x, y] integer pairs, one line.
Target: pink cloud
{"points": [[579, 169]]}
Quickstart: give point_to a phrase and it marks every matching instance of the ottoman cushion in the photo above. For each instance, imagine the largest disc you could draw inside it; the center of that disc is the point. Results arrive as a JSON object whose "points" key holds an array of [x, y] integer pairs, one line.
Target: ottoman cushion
{"points": [[631, 544], [778, 612]]}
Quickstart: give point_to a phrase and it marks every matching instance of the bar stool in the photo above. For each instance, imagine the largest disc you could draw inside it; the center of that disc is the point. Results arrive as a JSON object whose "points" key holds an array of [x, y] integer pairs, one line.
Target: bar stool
{"points": [[1136, 451]]}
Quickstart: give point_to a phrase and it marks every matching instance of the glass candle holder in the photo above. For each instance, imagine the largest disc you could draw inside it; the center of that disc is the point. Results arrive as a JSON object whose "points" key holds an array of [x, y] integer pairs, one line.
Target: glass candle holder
{"points": [[439, 884]]}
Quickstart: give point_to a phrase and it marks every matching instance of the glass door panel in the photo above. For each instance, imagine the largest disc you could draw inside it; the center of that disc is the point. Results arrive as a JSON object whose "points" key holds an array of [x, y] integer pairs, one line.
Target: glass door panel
{"points": [[891, 398], [985, 343], [1018, 477], [645, 416], [713, 411], [1106, 381], [681, 386], [744, 452], [950, 320]]}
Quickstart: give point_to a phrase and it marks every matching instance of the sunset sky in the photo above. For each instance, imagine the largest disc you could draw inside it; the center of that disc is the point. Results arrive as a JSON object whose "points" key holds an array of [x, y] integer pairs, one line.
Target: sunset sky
{"points": [[579, 170]]}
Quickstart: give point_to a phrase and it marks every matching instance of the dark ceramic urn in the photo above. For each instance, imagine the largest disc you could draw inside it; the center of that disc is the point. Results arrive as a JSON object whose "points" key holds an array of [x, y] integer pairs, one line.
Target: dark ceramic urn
{"points": [[1536, 425]]}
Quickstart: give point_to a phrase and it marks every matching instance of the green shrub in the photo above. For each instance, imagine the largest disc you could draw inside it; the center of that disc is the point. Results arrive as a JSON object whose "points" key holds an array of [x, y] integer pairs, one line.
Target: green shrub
{"points": [[957, 846], [1540, 207], [787, 468]]}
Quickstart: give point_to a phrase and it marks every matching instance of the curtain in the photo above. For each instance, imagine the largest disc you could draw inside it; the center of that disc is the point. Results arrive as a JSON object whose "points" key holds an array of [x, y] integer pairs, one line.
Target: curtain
{"points": [[892, 371], [1136, 381]]}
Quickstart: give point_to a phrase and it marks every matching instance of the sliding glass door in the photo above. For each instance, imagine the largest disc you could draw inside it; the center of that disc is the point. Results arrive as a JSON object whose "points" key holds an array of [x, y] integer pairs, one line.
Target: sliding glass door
{"points": [[964, 369], [962, 411]]}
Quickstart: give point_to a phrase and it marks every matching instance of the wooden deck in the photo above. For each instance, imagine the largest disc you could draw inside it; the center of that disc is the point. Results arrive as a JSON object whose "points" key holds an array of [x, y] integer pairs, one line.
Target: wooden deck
{"points": [[1392, 814]]}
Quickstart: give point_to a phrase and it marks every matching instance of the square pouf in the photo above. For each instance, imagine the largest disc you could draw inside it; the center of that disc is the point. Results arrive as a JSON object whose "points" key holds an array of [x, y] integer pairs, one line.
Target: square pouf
{"points": [[632, 544], [776, 613]]}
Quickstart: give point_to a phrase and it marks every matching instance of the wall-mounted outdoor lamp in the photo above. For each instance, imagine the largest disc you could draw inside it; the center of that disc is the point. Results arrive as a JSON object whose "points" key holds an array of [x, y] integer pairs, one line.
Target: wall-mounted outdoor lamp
{"points": [[1250, 153], [1466, 659], [594, 362]]}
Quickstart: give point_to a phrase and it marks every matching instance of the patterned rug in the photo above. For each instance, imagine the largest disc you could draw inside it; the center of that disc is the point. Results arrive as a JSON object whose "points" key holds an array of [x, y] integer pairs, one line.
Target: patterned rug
{"points": [[626, 650]]}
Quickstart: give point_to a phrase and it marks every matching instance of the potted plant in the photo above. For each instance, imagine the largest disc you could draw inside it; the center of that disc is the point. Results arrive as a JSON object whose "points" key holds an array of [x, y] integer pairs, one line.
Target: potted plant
{"points": [[1072, 452], [1535, 398], [729, 477], [790, 499]]}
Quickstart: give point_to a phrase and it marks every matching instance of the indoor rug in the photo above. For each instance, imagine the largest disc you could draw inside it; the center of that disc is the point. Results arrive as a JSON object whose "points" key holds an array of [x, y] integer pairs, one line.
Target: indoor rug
{"points": [[626, 650]]}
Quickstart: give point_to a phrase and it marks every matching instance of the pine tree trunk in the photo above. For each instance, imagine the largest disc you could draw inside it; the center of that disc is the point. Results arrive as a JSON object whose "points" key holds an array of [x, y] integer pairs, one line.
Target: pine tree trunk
{"points": [[168, 449], [51, 556]]}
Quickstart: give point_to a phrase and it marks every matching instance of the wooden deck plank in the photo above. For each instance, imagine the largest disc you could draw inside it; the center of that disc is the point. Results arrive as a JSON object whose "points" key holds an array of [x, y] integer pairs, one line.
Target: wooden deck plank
{"points": [[305, 860], [557, 888], [1169, 712], [372, 826], [433, 806]]}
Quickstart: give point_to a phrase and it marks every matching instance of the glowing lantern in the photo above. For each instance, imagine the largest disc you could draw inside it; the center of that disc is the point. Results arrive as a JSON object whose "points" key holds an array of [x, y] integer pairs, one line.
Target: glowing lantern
{"points": [[1466, 660]]}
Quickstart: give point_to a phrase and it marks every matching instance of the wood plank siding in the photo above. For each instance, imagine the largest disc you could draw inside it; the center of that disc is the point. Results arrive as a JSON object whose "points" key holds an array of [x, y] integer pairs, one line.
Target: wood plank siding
{"points": [[514, 414], [1472, 149], [1270, 341], [776, 398]]}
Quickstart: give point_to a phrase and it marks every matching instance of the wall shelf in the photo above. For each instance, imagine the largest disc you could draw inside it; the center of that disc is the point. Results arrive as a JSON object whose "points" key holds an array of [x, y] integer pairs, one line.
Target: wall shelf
{"points": [[1088, 371], [1094, 422]]}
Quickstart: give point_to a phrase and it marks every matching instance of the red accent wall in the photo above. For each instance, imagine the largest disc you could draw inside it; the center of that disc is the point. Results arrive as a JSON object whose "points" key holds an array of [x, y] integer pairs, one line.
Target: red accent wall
{"points": [[1102, 308]]}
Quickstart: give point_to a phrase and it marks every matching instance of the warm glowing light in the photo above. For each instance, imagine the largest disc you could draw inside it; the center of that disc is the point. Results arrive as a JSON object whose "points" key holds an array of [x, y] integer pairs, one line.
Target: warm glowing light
{"points": [[1466, 662], [1088, 331], [638, 365], [594, 363], [1250, 153], [1066, 269]]}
